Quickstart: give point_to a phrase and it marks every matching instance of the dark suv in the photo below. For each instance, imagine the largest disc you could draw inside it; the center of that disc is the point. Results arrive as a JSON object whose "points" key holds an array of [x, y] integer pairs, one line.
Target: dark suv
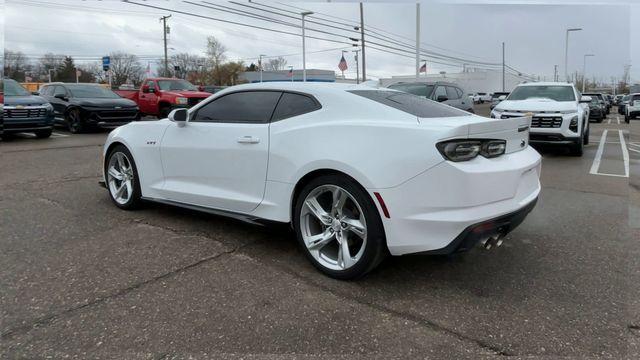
{"points": [[81, 106], [444, 92], [23, 112]]}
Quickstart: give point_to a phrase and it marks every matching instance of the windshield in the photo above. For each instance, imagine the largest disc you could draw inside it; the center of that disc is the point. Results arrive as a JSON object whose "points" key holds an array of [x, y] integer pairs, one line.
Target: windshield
{"points": [[552, 92], [415, 88], [167, 85], [91, 91], [12, 88]]}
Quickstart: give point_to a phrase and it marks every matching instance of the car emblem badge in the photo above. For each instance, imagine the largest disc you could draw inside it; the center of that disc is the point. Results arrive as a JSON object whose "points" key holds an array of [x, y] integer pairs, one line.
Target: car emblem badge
{"points": [[523, 143], [19, 106], [118, 107]]}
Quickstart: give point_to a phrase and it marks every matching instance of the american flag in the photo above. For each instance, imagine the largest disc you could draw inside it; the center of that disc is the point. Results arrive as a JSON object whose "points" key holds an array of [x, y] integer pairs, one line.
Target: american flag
{"points": [[423, 68], [290, 73], [343, 64]]}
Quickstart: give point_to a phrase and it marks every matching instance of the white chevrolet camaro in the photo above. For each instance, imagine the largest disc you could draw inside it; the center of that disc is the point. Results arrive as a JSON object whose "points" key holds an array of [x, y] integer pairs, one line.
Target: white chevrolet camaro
{"points": [[359, 172]]}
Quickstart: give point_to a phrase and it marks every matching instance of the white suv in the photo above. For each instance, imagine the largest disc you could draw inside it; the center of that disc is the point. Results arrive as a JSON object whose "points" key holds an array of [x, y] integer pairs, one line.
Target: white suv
{"points": [[632, 109], [559, 113]]}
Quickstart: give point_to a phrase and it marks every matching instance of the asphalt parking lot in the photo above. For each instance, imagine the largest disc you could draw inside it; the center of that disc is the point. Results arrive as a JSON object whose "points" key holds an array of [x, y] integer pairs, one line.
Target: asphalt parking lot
{"points": [[83, 279]]}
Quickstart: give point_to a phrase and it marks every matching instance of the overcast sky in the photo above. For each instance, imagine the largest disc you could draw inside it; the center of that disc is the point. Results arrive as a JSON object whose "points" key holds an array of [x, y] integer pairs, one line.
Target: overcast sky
{"points": [[534, 33]]}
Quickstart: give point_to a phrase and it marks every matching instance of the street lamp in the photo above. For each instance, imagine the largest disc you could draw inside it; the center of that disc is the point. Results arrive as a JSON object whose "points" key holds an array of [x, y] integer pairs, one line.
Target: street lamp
{"points": [[260, 65], [566, 52], [584, 70], [304, 55]]}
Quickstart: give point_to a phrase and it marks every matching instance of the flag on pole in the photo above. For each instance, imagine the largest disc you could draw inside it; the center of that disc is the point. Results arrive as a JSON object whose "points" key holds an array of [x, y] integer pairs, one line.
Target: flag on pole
{"points": [[343, 64], [423, 68], [290, 73]]}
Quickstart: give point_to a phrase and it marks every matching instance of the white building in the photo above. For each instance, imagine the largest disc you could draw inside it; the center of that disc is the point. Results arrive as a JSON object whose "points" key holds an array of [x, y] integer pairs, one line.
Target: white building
{"points": [[313, 75], [472, 81]]}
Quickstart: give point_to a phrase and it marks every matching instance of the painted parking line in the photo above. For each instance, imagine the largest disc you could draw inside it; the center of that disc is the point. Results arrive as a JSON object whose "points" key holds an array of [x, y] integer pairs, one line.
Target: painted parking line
{"points": [[595, 166], [609, 121], [634, 146], [55, 134]]}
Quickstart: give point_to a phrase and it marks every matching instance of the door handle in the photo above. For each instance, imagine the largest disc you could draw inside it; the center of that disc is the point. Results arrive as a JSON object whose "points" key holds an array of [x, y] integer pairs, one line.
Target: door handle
{"points": [[248, 140]]}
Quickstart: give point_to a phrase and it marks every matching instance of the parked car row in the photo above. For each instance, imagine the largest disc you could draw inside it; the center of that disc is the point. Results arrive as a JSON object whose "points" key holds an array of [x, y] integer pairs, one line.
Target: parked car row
{"points": [[80, 107]]}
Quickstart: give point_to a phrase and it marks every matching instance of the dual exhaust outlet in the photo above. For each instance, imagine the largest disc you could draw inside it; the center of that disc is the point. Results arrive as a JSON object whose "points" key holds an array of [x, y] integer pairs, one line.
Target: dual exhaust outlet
{"points": [[493, 241]]}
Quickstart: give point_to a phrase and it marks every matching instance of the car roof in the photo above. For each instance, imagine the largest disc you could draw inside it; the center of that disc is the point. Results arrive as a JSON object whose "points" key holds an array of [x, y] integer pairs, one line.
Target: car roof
{"points": [[546, 83], [426, 83]]}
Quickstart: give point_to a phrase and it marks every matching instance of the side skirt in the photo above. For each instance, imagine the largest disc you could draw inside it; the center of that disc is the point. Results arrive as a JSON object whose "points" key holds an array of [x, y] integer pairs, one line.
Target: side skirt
{"points": [[254, 220]]}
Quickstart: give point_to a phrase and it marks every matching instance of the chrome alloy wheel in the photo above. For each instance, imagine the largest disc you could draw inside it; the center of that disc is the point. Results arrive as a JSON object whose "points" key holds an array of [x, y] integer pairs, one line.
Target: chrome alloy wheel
{"points": [[333, 227], [120, 178]]}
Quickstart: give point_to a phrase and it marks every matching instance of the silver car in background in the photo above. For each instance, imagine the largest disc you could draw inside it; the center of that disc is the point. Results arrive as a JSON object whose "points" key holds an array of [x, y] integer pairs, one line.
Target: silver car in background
{"points": [[440, 91]]}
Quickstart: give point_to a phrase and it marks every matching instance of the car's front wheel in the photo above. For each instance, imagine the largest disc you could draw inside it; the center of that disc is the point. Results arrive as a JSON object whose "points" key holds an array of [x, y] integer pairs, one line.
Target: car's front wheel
{"points": [[74, 121], [338, 227], [122, 179]]}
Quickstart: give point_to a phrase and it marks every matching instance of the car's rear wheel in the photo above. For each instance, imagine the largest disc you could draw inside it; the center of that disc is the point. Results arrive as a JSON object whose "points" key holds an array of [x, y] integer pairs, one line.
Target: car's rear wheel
{"points": [[122, 179], [338, 227], [43, 134], [74, 121]]}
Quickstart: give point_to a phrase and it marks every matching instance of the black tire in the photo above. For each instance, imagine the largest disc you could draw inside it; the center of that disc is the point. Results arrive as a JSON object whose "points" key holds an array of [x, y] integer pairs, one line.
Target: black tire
{"points": [[626, 118], [164, 112], [585, 139], [43, 134], [74, 121], [600, 119], [375, 248], [136, 199], [577, 149]]}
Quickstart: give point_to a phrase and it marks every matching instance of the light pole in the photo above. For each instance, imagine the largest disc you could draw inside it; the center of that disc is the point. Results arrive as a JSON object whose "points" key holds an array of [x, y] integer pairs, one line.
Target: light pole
{"points": [[584, 70], [566, 52], [304, 55], [357, 65], [260, 64]]}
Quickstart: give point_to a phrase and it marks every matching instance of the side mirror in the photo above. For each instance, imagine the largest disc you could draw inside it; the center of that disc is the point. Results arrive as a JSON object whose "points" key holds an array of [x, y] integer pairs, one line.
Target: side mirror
{"points": [[145, 89], [179, 116], [502, 97], [585, 99], [442, 98], [60, 96]]}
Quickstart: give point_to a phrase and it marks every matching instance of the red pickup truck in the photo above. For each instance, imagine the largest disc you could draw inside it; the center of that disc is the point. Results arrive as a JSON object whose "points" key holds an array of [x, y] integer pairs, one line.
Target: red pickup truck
{"points": [[158, 96]]}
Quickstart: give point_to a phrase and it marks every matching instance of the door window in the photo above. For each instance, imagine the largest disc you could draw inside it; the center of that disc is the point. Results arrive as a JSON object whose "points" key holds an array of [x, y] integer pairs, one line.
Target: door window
{"points": [[59, 90], [452, 94], [293, 105], [440, 91], [240, 107]]}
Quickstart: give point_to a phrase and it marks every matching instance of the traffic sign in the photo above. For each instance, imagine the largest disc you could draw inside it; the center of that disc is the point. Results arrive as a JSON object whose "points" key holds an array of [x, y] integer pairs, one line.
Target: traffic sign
{"points": [[106, 63]]}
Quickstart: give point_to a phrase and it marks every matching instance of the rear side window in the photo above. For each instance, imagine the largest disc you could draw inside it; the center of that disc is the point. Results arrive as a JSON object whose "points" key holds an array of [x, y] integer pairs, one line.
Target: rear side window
{"points": [[291, 104], [411, 104], [59, 90], [415, 89], [241, 107]]}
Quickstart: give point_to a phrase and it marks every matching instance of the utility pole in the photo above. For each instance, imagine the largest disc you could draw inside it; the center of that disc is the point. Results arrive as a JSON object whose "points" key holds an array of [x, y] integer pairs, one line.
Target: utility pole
{"points": [[584, 70], [566, 53], [357, 66], [260, 65], [304, 56], [555, 73], [503, 66], [364, 67], [417, 41], [164, 33]]}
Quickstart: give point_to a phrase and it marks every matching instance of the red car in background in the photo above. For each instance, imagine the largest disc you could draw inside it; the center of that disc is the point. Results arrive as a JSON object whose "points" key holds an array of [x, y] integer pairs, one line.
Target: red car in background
{"points": [[158, 96]]}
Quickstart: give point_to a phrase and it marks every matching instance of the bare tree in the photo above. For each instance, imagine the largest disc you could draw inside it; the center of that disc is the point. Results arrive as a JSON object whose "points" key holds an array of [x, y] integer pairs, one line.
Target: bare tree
{"points": [[187, 64], [15, 65], [125, 68], [215, 57], [276, 64], [48, 65]]}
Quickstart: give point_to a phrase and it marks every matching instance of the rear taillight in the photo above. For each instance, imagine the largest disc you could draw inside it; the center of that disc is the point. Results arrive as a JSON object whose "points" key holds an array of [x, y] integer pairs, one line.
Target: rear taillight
{"points": [[464, 150]]}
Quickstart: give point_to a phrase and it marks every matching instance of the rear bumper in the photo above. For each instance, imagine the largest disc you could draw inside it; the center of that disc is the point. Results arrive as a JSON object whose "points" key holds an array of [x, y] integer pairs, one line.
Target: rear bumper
{"points": [[476, 233], [429, 212]]}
